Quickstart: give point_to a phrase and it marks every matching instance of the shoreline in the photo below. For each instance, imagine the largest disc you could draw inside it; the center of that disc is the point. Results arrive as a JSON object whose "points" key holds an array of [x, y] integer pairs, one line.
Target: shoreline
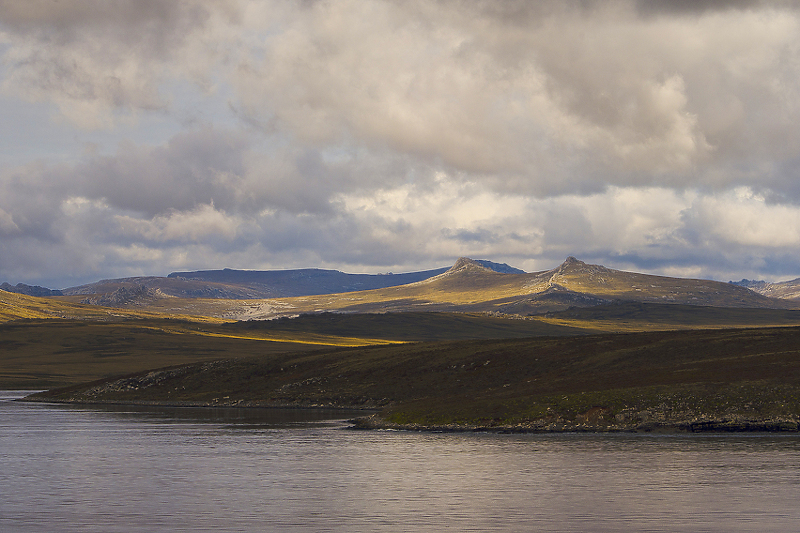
{"points": [[237, 404], [375, 421], [720, 426]]}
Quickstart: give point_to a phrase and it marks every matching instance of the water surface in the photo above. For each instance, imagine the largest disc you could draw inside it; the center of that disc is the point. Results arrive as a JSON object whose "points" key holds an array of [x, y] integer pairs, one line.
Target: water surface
{"points": [[68, 468]]}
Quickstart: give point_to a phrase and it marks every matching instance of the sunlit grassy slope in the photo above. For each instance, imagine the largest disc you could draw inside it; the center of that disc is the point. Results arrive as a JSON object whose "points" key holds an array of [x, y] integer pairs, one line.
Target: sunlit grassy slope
{"points": [[19, 306]]}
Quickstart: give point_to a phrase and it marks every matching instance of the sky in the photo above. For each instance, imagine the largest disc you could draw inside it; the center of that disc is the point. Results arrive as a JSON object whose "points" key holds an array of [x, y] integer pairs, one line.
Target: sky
{"points": [[142, 137]]}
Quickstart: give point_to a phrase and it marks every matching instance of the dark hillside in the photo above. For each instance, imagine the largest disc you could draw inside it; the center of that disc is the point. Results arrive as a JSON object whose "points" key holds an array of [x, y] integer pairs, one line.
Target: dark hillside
{"points": [[727, 380]]}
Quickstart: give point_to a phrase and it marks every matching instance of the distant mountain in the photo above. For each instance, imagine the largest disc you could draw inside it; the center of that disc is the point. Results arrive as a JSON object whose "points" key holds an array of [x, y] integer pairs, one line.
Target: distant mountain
{"points": [[302, 282], [787, 290], [29, 290], [471, 287], [254, 284]]}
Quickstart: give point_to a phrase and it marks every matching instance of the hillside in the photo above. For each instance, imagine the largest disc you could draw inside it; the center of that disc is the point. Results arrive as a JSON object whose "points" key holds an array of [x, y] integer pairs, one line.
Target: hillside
{"points": [[179, 288], [741, 380], [468, 286], [37, 353], [14, 306]]}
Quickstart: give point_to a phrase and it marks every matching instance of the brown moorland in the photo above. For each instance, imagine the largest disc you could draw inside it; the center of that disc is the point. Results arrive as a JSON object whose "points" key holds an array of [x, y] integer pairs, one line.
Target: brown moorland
{"points": [[733, 380]]}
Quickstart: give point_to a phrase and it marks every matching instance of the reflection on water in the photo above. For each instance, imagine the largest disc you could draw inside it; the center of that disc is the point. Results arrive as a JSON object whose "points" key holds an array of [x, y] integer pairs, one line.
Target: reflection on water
{"points": [[68, 468]]}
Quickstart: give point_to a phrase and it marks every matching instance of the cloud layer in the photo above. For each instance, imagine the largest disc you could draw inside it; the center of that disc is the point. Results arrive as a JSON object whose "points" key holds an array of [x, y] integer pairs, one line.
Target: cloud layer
{"points": [[382, 135]]}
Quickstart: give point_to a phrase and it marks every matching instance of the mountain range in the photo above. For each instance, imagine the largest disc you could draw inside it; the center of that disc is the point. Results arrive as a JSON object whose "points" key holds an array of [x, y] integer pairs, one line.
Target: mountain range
{"points": [[467, 286]]}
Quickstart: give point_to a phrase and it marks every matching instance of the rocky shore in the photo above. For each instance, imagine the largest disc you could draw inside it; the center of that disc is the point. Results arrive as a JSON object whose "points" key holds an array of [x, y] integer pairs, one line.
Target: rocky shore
{"points": [[641, 422], [721, 425]]}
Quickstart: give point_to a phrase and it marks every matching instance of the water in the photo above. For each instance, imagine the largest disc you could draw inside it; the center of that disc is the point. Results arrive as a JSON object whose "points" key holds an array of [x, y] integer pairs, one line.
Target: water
{"points": [[67, 468]]}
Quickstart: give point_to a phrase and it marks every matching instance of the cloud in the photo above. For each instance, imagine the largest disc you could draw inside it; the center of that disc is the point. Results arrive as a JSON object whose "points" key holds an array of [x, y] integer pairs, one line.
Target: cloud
{"points": [[7, 225], [398, 135], [200, 224], [410, 226], [543, 99], [95, 59], [194, 167], [699, 7], [567, 100]]}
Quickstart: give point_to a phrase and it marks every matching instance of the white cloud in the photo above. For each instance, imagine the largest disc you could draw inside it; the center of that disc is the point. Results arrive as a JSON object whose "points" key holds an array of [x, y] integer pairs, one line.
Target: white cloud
{"points": [[742, 218], [196, 225]]}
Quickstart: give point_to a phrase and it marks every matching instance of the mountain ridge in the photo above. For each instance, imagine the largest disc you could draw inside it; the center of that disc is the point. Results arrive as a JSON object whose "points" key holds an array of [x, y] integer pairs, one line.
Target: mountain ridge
{"points": [[468, 286]]}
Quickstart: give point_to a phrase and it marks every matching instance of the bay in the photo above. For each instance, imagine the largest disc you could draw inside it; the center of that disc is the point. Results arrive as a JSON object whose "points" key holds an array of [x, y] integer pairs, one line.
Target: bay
{"points": [[107, 469]]}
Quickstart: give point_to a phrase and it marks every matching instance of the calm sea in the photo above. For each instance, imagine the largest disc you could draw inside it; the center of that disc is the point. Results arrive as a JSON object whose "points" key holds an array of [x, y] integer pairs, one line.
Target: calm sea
{"points": [[66, 468]]}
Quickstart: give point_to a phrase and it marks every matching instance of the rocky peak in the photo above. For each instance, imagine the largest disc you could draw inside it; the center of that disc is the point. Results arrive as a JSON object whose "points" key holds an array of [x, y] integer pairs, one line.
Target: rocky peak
{"points": [[465, 264], [569, 263], [124, 296]]}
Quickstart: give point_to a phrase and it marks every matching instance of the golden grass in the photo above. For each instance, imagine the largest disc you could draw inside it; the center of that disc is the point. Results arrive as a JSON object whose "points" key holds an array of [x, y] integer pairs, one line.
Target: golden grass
{"points": [[19, 306], [286, 337]]}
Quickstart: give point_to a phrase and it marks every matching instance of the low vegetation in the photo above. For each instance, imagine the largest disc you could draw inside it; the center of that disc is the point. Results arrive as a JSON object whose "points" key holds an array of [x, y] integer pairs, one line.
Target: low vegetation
{"points": [[744, 379]]}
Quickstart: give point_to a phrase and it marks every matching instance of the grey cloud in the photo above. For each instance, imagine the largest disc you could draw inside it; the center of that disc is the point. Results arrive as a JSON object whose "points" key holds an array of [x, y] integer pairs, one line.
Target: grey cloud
{"points": [[695, 7], [572, 102], [469, 236], [32, 197], [95, 59], [149, 25], [194, 168]]}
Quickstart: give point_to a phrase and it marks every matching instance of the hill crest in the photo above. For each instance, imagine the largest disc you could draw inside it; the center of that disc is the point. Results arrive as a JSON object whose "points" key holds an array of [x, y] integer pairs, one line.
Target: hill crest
{"points": [[467, 286]]}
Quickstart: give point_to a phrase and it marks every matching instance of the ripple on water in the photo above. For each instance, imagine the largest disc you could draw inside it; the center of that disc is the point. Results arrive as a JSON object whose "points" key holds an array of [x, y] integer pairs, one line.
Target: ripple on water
{"points": [[72, 468]]}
